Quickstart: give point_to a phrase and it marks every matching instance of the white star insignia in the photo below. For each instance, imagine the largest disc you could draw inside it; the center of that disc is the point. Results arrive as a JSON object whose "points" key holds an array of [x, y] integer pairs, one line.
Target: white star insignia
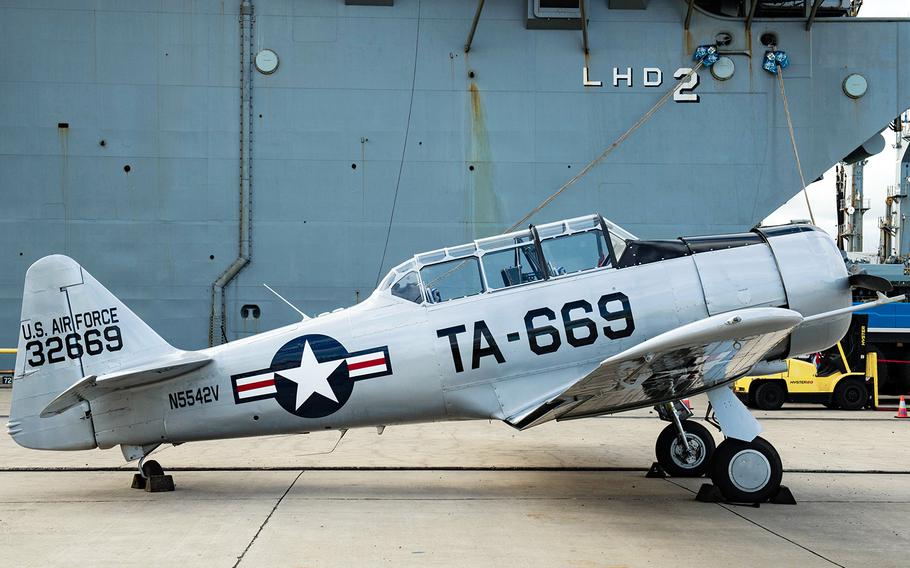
{"points": [[311, 377]]}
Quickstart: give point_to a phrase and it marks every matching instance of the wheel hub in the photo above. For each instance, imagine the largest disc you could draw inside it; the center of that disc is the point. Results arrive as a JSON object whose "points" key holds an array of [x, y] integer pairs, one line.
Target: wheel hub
{"points": [[688, 459], [749, 470], [852, 395]]}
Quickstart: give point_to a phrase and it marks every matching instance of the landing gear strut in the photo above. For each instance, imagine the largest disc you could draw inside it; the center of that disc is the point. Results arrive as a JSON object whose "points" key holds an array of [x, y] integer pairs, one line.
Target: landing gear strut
{"points": [[684, 448], [745, 468]]}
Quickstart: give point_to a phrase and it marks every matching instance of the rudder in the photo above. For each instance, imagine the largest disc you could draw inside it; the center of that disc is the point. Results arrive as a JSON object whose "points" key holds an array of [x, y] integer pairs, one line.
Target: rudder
{"points": [[71, 327]]}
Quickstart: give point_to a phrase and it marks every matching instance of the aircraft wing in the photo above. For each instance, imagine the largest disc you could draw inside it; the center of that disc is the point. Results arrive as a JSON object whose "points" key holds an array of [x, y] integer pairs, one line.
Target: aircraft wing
{"points": [[693, 357], [93, 386]]}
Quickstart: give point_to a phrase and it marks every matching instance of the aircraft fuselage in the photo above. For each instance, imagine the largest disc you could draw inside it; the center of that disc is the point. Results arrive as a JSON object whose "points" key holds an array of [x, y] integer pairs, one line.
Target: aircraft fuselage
{"points": [[483, 356]]}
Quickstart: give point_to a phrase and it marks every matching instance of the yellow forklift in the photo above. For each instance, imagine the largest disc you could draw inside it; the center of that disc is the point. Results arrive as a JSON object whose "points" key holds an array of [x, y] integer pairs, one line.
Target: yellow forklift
{"points": [[832, 382], [868, 368]]}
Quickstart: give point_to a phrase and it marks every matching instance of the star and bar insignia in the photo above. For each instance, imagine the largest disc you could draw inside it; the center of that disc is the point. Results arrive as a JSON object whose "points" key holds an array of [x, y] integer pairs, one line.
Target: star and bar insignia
{"points": [[311, 376]]}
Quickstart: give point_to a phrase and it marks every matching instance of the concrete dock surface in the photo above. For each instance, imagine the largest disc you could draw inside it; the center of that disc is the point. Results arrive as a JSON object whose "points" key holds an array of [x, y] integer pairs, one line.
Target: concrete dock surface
{"points": [[463, 494]]}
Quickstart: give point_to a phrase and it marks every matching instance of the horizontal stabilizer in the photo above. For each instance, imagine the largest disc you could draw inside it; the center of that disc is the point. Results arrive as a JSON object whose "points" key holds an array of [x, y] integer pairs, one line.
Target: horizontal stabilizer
{"points": [[173, 365]]}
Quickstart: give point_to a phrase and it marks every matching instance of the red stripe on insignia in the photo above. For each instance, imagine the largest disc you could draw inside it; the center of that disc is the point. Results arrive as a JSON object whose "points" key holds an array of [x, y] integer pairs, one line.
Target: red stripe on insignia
{"points": [[363, 364], [258, 385]]}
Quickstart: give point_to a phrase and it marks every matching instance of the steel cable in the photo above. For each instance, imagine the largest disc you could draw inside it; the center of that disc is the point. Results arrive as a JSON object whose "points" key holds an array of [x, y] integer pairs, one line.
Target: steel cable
{"points": [[799, 166], [622, 138], [404, 148]]}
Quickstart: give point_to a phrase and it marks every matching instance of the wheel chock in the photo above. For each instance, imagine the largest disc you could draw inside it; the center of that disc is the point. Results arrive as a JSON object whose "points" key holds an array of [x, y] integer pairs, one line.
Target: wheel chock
{"points": [[709, 493], [783, 497], [138, 482], [656, 471], [159, 483]]}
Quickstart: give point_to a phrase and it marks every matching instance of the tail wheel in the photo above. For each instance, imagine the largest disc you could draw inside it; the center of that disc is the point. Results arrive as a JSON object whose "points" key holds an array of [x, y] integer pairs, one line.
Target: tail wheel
{"points": [[851, 394], [673, 457], [747, 472], [770, 395], [151, 468]]}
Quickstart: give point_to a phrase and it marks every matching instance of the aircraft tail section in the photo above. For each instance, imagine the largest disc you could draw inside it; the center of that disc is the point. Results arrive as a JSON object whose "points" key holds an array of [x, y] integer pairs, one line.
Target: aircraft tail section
{"points": [[71, 327]]}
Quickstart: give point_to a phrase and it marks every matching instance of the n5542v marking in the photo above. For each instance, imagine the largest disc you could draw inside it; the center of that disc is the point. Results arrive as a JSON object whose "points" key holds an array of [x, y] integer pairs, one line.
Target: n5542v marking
{"points": [[190, 397], [544, 338]]}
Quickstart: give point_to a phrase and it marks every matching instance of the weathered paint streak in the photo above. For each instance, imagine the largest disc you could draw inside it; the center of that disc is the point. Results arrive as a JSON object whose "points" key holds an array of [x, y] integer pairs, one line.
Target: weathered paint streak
{"points": [[483, 203], [63, 135]]}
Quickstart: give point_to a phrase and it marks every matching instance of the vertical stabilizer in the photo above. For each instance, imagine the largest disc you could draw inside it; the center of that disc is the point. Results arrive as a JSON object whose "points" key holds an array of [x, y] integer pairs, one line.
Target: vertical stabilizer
{"points": [[71, 327]]}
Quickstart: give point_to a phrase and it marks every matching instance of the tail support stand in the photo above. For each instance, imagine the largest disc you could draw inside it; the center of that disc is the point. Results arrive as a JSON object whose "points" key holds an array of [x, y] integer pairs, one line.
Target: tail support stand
{"points": [[151, 476]]}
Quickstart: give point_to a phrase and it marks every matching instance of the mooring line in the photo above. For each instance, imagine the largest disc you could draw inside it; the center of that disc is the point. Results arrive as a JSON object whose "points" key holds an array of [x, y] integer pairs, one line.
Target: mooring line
{"points": [[799, 166], [616, 143]]}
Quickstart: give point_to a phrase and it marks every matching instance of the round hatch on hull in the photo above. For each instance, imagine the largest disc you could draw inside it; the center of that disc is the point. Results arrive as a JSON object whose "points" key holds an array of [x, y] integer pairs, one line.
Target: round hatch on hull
{"points": [[855, 85], [267, 61], [723, 69]]}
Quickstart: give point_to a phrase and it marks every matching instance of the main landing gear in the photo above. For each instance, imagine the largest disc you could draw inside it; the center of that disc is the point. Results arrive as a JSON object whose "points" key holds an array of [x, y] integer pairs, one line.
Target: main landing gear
{"points": [[744, 468], [684, 448], [747, 472], [151, 476]]}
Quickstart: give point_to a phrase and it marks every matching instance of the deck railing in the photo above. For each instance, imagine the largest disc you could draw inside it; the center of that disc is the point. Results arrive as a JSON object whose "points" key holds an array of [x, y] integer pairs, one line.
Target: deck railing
{"points": [[6, 375]]}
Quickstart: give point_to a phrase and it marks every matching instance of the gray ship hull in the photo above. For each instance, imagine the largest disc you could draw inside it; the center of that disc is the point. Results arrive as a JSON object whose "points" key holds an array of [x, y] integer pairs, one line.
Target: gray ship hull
{"points": [[378, 136]]}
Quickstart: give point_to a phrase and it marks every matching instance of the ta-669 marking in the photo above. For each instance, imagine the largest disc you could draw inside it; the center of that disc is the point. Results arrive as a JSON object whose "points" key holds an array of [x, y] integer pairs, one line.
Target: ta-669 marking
{"points": [[544, 338]]}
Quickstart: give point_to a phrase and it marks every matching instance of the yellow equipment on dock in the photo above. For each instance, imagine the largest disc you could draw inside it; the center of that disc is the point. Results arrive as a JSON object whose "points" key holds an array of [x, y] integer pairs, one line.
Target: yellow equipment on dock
{"points": [[841, 387], [6, 376]]}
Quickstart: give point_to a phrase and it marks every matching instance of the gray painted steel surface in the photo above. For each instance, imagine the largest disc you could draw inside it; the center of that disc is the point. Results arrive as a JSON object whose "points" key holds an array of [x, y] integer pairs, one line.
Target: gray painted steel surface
{"points": [[375, 106]]}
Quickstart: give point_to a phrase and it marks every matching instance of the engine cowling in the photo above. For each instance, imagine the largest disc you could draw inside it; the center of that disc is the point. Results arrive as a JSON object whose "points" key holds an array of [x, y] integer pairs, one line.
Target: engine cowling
{"points": [[815, 281]]}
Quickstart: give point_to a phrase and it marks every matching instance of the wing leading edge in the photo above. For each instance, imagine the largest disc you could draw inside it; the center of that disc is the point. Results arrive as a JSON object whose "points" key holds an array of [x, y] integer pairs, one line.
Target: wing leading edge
{"points": [[693, 357]]}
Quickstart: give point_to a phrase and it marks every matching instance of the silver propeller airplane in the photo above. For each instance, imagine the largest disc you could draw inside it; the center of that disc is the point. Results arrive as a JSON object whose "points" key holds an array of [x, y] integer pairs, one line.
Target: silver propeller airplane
{"points": [[565, 320]]}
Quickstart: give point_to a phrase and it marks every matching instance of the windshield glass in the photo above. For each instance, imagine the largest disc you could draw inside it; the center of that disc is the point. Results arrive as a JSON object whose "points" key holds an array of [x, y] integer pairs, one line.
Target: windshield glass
{"points": [[452, 279], [573, 253], [408, 288], [565, 247], [619, 245], [513, 266]]}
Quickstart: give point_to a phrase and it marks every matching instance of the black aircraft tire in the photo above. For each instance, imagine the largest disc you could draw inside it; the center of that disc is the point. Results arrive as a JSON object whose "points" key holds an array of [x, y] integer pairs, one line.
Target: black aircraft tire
{"points": [[851, 394], [746, 472], [770, 395], [750, 399], [669, 450], [151, 468]]}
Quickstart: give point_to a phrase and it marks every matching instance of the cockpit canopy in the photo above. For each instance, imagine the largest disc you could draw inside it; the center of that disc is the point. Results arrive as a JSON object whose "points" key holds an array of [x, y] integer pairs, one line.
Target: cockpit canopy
{"points": [[538, 253]]}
